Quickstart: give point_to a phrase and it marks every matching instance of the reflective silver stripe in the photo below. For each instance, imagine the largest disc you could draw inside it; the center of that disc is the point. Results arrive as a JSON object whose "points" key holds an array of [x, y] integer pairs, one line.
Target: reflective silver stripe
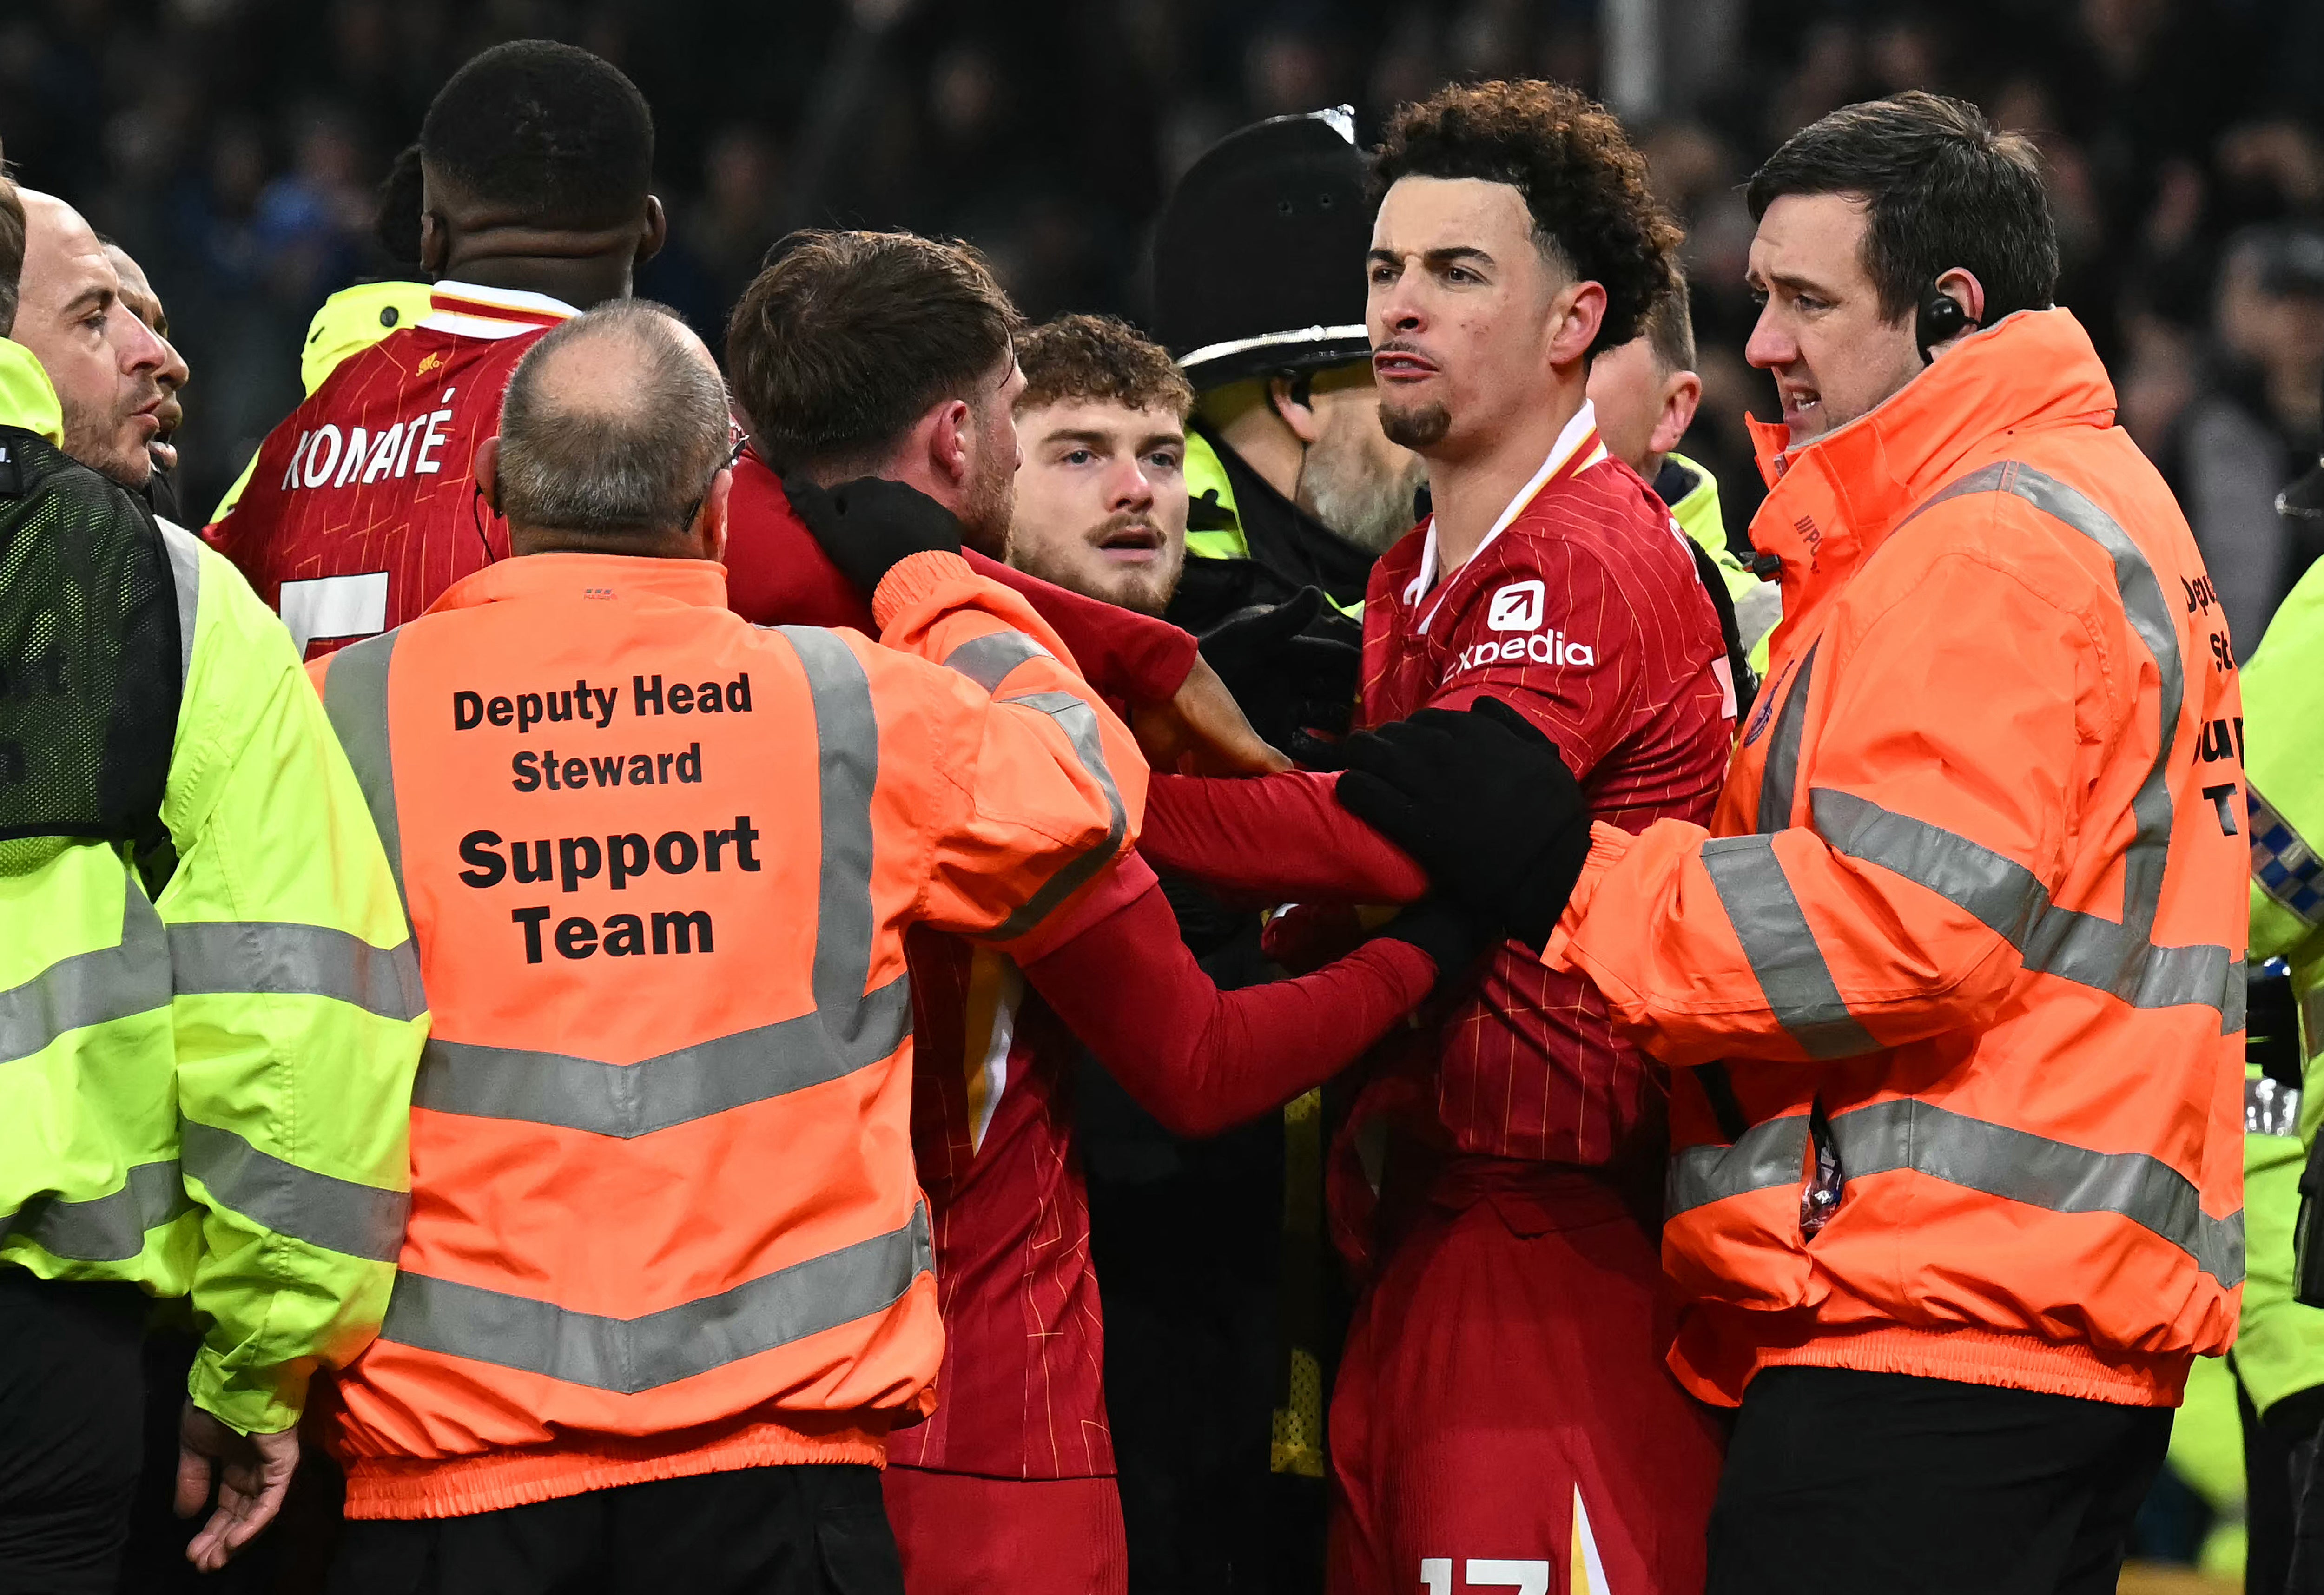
{"points": [[1775, 937], [185, 551], [631, 1099], [847, 757], [988, 660], [2019, 1166], [319, 1208], [2150, 616], [2235, 1010], [2311, 1022], [1774, 1152], [630, 1355], [2011, 902], [281, 959], [354, 697], [92, 988], [104, 1229], [1782, 774], [1078, 721]]}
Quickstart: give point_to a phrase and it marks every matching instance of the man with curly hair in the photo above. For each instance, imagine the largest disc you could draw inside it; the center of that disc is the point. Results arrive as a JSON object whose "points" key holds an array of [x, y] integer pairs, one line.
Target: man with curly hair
{"points": [[1102, 478], [1502, 1408]]}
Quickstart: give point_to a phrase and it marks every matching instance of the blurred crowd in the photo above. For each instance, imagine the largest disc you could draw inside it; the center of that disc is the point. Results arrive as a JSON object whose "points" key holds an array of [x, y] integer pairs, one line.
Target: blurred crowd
{"points": [[235, 148]]}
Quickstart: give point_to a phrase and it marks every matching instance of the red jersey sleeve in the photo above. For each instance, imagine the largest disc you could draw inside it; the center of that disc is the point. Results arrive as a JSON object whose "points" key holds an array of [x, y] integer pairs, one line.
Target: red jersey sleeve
{"points": [[1129, 658], [1200, 1059], [1280, 838], [1553, 638]]}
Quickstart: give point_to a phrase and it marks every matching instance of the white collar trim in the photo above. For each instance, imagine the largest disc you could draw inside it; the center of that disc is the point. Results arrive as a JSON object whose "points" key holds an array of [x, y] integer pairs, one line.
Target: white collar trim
{"points": [[1585, 422]]}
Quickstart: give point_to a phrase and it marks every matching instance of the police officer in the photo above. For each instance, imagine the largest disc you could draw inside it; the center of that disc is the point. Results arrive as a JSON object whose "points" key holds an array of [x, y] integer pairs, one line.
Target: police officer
{"points": [[1259, 291], [2279, 1355]]}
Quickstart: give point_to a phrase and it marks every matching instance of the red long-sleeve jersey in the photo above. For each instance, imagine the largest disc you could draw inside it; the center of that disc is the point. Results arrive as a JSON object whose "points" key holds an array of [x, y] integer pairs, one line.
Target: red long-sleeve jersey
{"points": [[1582, 610], [1020, 1393], [362, 508]]}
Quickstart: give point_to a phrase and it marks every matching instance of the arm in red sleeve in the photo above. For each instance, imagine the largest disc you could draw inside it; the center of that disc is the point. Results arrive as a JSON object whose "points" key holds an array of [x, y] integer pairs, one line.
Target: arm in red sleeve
{"points": [[1129, 658], [1283, 838], [1200, 1059]]}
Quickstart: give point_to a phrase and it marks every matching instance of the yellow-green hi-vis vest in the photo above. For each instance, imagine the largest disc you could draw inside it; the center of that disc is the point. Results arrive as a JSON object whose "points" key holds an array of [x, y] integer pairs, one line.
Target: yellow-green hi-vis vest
{"points": [[206, 1091], [2280, 1348]]}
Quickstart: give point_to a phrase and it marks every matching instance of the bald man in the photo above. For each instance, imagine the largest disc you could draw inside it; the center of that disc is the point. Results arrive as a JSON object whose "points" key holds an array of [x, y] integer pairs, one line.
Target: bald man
{"points": [[666, 1284], [106, 364]]}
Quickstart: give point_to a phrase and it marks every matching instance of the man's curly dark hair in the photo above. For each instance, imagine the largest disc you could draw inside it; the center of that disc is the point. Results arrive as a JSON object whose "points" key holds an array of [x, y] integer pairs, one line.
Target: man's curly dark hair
{"points": [[1583, 182]]}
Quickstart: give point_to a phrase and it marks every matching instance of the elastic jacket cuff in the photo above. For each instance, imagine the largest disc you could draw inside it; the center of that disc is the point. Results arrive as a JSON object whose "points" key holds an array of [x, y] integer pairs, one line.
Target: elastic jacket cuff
{"points": [[1608, 846], [913, 577], [240, 1402]]}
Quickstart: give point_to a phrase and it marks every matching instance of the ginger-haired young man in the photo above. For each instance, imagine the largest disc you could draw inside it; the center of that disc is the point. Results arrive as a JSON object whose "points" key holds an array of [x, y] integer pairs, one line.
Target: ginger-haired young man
{"points": [[1502, 1409], [1101, 471]]}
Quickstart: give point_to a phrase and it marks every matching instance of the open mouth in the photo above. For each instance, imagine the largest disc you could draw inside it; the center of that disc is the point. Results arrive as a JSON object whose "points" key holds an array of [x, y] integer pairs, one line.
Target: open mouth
{"points": [[1134, 544], [1401, 366], [1803, 406]]}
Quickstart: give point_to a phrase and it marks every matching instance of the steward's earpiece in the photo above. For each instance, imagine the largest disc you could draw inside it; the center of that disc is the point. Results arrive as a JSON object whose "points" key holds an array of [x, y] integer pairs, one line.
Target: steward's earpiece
{"points": [[1939, 320]]}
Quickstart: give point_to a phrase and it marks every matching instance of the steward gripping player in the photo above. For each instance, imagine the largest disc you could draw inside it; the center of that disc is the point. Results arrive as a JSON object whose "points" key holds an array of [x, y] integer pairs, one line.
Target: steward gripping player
{"points": [[209, 1009], [668, 1282], [883, 353], [359, 509], [1955, 978], [1502, 1394]]}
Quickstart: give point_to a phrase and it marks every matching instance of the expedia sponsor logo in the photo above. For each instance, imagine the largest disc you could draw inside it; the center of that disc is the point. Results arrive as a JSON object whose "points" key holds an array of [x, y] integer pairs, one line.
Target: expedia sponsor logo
{"points": [[1543, 648], [1515, 608], [1520, 607]]}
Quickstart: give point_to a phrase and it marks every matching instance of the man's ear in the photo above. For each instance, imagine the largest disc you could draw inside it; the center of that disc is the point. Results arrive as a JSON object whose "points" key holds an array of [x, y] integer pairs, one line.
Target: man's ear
{"points": [[435, 243], [1295, 401], [653, 235], [1575, 316], [486, 471], [1681, 394], [950, 444], [710, 522]]}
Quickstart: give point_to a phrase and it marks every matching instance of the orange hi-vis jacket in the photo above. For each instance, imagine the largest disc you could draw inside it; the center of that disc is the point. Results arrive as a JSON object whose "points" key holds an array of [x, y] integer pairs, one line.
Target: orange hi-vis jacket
{"points": [[660, 863], [1961, 962]]}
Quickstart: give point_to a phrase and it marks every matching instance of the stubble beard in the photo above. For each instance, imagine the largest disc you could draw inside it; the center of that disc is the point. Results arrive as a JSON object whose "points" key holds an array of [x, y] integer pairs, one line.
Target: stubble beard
{"points": [[1416, 429], [986, 510], [1353, 493], [1146, 591], [94, 439]]}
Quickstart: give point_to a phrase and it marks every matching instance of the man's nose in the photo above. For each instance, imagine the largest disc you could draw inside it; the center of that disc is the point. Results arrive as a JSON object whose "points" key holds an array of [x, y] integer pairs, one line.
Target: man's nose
{"points": [[1132, 489], [174, 372], [141, 350], [1771, 344]]}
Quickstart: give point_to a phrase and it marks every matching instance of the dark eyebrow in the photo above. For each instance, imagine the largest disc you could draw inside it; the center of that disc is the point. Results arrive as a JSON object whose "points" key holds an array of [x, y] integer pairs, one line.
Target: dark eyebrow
{"points": [[96, 293], [1093, 439], [1799, 284], [1163, 441], [1456, 254]]}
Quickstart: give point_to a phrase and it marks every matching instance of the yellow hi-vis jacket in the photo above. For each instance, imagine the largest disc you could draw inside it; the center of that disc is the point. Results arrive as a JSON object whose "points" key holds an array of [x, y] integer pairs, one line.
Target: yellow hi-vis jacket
{"points": [[208, 1092]]}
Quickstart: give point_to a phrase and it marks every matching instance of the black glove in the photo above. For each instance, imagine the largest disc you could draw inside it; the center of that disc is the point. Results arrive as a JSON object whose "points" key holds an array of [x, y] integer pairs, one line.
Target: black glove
{"points": [[1484, 801], [868, 524], [1293, 673], [1452, 935]]}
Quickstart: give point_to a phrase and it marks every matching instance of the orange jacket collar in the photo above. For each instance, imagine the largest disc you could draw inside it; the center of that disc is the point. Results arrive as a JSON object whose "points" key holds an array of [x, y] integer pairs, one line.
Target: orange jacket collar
{"points": [[2035, 367], [618, 577]]}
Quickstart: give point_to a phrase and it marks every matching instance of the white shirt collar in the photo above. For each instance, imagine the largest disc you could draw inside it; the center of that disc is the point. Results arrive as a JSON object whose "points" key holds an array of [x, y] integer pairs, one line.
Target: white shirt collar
{"points": [[1584, 425], [474, 311]]}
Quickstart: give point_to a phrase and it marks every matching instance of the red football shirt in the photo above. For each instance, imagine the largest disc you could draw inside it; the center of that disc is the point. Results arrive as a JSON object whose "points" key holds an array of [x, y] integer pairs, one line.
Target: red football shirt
{"points": [[1581, 609], [362, 508]]}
